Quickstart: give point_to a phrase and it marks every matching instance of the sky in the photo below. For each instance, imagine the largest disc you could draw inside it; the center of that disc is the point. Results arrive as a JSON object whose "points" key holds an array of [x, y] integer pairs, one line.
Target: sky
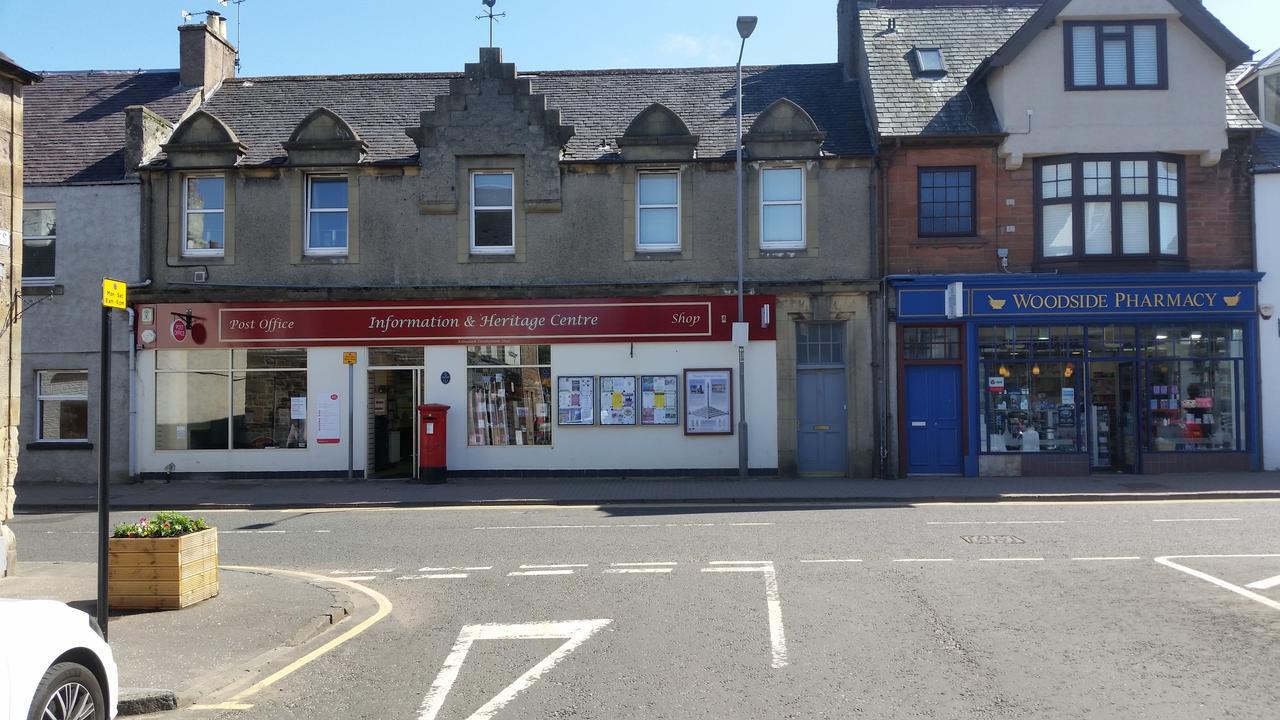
{"points": [[313, 37]]}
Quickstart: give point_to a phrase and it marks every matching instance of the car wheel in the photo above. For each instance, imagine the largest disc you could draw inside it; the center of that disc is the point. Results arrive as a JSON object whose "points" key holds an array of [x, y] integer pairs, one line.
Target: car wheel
{"points": [[68, 691]]}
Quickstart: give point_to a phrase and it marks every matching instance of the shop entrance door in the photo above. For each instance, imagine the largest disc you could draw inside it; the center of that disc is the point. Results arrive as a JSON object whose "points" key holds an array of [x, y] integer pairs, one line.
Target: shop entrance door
{"points": [[394, 395], [933, 420], [821, 419], [1113, 430]]}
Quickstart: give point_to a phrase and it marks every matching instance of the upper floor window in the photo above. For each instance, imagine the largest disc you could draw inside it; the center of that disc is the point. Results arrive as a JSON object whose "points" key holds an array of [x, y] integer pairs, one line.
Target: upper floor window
{"points": [[62, 399], [782, 207], [658, 210], [946, 204], [493, 212], [1116, 55], [203, 215], [929, 62], [1269, 86], [1110, 206], [39, 236], [326, 215]]}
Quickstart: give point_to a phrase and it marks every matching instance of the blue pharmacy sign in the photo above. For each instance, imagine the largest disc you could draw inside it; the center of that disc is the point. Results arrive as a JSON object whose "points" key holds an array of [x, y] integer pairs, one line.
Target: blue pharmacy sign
{"points": [[996, 302]]}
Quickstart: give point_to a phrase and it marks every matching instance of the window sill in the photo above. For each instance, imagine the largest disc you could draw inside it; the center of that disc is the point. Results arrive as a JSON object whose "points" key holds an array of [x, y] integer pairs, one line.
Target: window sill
{"points": [[502, 257], [325, 259], [36, 289], [60, 445], [780, 252], [1113, 264], [651, 254], [950, 240]]}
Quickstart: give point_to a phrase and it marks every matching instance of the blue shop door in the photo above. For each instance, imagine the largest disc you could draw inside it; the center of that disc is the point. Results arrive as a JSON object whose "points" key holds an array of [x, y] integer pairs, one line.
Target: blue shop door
{"points": [[933, 420], [821, 417]]}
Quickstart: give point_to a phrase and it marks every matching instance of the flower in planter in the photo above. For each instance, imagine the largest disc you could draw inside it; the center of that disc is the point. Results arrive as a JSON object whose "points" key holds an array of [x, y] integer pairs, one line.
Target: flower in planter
{"points": [[164, 524]]}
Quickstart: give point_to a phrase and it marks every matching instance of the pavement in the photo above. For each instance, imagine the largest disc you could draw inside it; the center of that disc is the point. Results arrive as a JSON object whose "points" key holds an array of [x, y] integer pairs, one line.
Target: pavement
{"points": [[174, 658], [156, 495]]}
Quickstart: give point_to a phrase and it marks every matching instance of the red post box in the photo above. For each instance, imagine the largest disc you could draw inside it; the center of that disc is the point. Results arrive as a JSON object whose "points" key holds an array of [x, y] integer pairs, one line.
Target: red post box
{"points": [[433, 426]]}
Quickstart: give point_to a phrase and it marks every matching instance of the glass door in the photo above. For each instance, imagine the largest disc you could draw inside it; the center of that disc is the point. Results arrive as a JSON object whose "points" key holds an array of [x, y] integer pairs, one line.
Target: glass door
{"points": [[394, 395], [1112, 417]]}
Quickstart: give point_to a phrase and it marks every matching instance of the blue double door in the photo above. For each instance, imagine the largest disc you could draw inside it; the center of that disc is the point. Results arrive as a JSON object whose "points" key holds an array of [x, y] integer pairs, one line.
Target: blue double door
{"points": [[934, 418]]}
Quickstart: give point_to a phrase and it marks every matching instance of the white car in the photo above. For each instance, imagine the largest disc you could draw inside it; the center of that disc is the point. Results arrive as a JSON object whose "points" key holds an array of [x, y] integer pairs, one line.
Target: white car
{"points": [[54, 664]]}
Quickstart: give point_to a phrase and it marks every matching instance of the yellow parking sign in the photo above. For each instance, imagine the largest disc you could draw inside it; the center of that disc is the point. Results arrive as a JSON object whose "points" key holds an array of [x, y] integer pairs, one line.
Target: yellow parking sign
{"points": [[113, 292]]}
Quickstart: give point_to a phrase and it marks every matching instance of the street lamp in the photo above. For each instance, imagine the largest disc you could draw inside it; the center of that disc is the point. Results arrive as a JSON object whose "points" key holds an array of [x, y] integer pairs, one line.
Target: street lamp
{"points": [[746, 24]]}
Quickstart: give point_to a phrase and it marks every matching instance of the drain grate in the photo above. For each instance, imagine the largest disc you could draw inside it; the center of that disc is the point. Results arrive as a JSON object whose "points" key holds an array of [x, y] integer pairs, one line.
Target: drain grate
{"points": [[992, 539]]}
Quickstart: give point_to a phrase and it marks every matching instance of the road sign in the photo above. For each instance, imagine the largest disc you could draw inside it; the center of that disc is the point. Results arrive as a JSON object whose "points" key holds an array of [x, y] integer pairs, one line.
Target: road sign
{"points": [[113, 292], [348, 358]]}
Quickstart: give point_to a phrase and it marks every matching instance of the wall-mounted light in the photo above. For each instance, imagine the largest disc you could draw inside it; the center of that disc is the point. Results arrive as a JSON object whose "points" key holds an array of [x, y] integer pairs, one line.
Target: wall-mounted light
{"points": [[1266, 311]]}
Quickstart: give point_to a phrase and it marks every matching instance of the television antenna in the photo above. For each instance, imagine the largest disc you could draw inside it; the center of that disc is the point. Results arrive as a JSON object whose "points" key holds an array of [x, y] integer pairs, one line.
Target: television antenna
{"points": [[187, 15], [488, 14]]}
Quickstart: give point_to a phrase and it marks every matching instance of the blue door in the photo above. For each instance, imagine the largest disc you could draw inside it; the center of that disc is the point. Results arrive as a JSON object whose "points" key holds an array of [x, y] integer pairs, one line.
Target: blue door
{"points": [[933, 420], [821, 418]]}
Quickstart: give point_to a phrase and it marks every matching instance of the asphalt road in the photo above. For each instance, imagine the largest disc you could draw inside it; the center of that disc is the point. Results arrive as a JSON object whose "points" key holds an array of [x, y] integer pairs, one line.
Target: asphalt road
{"points": [[1107, 610]]}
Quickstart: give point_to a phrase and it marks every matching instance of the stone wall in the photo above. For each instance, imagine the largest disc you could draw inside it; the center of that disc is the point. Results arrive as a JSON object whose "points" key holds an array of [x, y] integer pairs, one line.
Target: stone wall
{"points": [[10, 339]]}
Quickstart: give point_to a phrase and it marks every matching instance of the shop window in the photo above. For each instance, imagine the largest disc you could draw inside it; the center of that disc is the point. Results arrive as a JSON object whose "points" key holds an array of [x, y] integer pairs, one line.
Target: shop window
{"points": [[203, 215], [326, 215], [1193, 405], [508, 395], [1205, 340], [819, 343], [62, 399], [411, 357], [1111, 341], [1110, 207], [658, 210], [492, 212], [39, 239], [925, 343], [1031, 406], [1116, 55], [782, 208], [946, 205], [231, 399], [1031, 341]]}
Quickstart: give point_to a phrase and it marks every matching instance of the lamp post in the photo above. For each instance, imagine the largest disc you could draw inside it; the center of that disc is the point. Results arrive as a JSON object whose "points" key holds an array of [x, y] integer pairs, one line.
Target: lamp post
{"points": [[746, 25]]}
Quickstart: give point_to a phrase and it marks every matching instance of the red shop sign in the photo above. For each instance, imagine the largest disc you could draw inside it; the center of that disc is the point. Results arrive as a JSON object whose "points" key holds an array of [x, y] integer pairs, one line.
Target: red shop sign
{"points": [[651, 319]]}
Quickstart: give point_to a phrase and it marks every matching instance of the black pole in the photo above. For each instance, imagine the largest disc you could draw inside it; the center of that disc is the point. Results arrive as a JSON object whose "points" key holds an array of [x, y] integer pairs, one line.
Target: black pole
{"points": [[104, 487]]}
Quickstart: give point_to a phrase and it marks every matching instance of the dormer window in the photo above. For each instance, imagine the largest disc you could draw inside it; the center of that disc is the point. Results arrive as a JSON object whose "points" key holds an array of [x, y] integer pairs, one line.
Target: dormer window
{"points": [[1116, 55], [929, 62], [1269, 86]]}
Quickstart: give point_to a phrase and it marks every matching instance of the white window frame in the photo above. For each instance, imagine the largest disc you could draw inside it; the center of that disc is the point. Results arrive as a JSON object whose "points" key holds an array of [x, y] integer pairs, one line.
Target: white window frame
{"points": [[345, 210], [1271, 122], [187, 212], [42, 280], [803, 202], [667, 247], [511, 248], [41, 398]]}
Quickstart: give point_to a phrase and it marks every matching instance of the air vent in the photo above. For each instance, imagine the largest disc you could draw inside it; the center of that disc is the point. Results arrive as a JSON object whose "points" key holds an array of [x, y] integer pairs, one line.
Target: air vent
{"points": [[200, 276]]}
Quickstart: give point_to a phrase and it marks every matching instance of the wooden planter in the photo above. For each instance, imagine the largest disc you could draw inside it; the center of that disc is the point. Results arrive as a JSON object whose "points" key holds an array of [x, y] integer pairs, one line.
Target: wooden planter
{"points": [[162, 573]]}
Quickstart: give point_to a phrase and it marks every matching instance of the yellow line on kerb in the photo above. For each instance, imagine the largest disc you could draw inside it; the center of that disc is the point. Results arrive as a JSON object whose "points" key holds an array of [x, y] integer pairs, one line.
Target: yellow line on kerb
{"points": [[236, 702]]}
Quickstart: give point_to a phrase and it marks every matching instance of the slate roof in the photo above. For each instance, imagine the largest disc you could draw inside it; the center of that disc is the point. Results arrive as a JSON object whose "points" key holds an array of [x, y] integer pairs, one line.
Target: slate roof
{"points": [[263, 111], [968, 32], [1266, 152], [74, 121], [907, 105]]}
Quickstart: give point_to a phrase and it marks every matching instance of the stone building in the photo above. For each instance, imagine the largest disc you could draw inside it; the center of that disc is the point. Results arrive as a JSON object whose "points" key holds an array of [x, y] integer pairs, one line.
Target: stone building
{"points": [[13, 80], [551, 253], [1066, 216]]}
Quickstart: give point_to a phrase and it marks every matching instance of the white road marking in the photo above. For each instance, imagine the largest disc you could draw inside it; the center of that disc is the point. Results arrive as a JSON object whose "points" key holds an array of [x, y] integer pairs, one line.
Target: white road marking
{"points": [[479, 567], [1196, 520], [1114, 557], [1012, 559], [362, 572], [1167, 561], [636, 570], [750, 524], [361, 578], [1266, 584], [1002, 522], [452, 569], [552, 567], [834, 560], [322, 531], [773, 601], [641, 564], [925, 560], [522, 573], [434, 576], [611, 525], [574, 632]]}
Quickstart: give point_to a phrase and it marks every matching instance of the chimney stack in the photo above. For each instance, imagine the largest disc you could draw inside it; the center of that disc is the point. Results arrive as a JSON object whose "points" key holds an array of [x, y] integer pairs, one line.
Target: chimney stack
{"points": [[206, 57]]}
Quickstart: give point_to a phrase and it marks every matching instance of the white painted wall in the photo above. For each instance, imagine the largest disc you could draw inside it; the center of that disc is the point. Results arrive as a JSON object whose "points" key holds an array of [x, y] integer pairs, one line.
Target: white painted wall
{"points": [[574, 448], [1267, 219], [1188, 118]]}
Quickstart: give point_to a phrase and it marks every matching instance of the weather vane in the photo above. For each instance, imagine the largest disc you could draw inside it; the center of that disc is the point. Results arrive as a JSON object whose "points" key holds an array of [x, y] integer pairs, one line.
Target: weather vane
{"points": [[491, 16]]}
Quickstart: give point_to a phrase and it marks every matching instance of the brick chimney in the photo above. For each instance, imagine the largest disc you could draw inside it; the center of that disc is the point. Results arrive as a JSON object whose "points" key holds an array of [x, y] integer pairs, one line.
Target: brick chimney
{"points": [[206, 56]]}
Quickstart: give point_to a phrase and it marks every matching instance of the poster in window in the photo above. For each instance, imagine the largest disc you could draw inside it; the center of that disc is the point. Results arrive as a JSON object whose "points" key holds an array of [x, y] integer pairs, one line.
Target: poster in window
{"points": [[617, 400], [659, 400], [575, 400], [708, 402]]}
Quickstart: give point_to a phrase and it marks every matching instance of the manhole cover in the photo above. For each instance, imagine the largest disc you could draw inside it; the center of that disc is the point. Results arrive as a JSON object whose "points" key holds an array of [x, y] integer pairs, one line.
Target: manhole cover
{"points": [[992, 539], [1143, 486]]}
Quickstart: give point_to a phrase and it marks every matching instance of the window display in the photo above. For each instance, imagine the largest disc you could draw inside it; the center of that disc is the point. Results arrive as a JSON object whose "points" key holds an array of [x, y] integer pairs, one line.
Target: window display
{"points": [[575, 400], [1191, 406], [509, 395], [617, 400], [659, 400], [1031, 407], [708, 402]]}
